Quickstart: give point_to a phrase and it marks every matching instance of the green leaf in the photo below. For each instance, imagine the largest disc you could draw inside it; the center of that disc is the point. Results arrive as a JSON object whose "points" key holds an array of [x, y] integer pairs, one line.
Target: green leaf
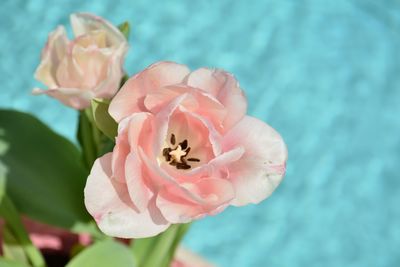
{"points": [[159, 250], [104, 254], [17, 244], [9, 263], [125, 29], [12, 249], [102, 118], [3, 172], [87, 136], [45, 176]]}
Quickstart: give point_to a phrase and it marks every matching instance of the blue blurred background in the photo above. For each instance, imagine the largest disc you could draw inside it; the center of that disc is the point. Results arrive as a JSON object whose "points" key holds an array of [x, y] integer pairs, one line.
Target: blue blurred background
{"points": [[325, 74]]}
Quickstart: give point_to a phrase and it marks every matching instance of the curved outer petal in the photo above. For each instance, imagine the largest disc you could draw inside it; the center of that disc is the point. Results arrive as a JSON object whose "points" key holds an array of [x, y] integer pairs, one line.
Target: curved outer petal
{"points": [[119, 154], [213, 195], [135, 181], [215, 167], [126, 166], [225, 88], [130, 98], [83, 23], [72, 97], [206, 104], [109, 203], [52, 55], [126, 142], [110, 85], [93, 65], [260, 170]]}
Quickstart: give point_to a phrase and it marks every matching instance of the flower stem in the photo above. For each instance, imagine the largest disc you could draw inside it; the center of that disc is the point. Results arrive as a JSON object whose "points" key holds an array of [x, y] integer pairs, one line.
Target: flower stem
{"points": [[15, 232], [159, 250]]}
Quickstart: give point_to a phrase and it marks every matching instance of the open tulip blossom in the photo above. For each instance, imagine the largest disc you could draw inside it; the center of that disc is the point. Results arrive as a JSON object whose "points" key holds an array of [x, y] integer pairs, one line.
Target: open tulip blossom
{"points": [[158, 150], [185, 149]]}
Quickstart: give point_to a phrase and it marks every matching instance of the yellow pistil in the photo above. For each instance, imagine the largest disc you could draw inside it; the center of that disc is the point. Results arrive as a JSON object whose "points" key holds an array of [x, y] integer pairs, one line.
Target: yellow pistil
{"points": [[177, 154]]}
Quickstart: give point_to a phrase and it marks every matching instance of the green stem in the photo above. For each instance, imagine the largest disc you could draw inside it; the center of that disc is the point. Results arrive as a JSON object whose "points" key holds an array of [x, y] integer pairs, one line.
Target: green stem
{"points": [[88, 137], [17, 232], [159, 250]]}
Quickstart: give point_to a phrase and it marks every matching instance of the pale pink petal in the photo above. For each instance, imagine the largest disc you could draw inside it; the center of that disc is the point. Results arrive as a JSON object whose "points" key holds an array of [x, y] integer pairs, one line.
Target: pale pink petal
{"points": [[217, 167], [110, 85], [260, 170], [223, 86], [214, 195], [161, 121], [93, 63], [205, 104], [214, 136], [138, 132], [52, 55], [72, 97], [120, 152], [108, 201], [69, 74], [135, 180], [130, 98], [159, 178], [83, 23]]}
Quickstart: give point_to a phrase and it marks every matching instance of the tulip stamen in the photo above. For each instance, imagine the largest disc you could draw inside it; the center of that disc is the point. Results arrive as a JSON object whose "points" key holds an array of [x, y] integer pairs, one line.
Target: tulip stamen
{"points": [[177, 156], [172, 140]]}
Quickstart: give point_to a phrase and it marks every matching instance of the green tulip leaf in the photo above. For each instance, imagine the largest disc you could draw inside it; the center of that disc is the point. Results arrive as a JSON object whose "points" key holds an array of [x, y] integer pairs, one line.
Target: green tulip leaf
{"points": [[125, 29], [16, 242], [3, 173], [102, 118], [9, 263], [104, 254], [45, 174]]}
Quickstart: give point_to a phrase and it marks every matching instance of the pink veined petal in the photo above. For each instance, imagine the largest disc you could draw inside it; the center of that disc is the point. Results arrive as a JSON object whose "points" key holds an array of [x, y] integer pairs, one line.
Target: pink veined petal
{"points": [[108, 201], [69, 73], [217, 167], [213, 135], [225, 88], [139, 193], [214, 194], [260, 170], [161, 120], [93, 63], [72, 97], [138, 132], [205, 105], [201, 138], [120, 152], [52, 55], [82, 23], [128, 141], [130, 98], [160, 178], [203, 79], [110, 85]]}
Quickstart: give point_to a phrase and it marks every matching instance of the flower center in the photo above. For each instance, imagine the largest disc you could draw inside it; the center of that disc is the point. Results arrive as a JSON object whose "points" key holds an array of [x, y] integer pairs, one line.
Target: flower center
{"points": [[176, 156]]}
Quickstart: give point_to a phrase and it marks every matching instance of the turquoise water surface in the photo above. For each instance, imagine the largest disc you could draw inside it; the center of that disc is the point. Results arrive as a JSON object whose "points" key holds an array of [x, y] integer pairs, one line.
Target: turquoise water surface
{"points": [[325, 74]]}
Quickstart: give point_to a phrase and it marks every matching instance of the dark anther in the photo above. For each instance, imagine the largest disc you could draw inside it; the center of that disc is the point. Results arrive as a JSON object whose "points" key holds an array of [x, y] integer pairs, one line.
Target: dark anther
{"points": [[184, 144], [173, 139], [182, 163], [166, 154], [182, 166]]}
